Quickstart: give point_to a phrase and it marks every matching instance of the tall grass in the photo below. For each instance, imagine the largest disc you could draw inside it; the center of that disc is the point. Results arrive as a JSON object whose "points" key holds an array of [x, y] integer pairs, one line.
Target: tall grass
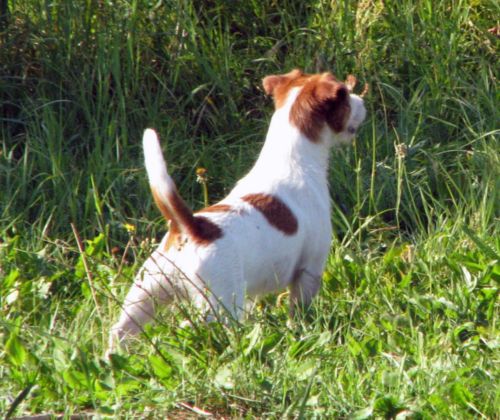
{"points": [[406, 323]]}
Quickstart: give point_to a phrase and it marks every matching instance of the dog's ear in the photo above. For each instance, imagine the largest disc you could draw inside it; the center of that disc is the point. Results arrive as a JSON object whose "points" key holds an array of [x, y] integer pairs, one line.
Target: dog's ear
{"points": [[272, 82], [351, 82]]}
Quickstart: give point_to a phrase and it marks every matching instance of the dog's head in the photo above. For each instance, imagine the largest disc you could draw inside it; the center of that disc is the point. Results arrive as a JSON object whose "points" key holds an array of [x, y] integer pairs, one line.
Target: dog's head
{"points": [[320, 106]]}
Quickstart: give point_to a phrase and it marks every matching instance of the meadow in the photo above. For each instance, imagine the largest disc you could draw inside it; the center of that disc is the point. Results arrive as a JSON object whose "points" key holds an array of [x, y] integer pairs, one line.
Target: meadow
{"points": [[406, 323]]}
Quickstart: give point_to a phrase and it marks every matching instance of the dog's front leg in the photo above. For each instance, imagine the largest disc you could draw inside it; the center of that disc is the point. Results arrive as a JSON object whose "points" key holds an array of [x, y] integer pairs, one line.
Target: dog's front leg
{"points": [[303, 289]]}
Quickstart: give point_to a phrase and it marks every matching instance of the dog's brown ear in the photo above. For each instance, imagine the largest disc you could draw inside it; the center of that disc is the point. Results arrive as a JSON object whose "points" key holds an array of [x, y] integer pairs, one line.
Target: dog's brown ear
{"points": [[273, 81], [351, 82], [270, 83]]}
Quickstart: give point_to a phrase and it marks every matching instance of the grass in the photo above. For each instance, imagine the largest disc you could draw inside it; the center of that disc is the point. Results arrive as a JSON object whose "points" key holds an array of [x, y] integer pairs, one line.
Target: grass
{"points": [[406, 321]]}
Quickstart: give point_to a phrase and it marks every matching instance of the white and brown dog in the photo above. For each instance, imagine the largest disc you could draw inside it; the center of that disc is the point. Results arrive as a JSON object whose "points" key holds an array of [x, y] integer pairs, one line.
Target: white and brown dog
{"points": [[272, 231]]}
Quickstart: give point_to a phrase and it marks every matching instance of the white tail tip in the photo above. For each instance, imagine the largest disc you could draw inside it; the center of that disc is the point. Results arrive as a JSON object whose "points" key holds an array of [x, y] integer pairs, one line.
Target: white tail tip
{"points": [[155, 164], [150, 139]]}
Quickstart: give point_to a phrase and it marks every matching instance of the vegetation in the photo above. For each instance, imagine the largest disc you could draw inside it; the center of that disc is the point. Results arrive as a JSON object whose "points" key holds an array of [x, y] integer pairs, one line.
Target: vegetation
{"points": [[406, 325]]}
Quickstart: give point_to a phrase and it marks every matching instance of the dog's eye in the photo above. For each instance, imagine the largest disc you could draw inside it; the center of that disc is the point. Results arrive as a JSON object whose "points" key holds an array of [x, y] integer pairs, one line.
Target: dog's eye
{"points": [[351, 130]]}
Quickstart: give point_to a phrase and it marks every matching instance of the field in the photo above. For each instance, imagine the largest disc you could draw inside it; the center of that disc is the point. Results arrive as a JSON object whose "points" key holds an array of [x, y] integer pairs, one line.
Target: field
{"points": [[406, 323]]}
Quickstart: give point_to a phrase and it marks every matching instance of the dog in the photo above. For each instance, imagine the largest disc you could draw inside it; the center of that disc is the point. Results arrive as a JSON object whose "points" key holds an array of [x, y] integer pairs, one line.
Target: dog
{"points": [[272, 231]]}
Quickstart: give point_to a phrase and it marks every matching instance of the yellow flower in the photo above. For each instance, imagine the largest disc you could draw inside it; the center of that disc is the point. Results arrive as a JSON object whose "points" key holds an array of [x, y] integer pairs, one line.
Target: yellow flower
{"points": [[130, 228], [201, 175]]}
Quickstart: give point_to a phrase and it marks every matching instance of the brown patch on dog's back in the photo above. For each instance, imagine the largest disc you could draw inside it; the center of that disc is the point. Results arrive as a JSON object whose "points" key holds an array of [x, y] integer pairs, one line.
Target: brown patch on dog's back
{"points": [[206, 231], [276, 212]]}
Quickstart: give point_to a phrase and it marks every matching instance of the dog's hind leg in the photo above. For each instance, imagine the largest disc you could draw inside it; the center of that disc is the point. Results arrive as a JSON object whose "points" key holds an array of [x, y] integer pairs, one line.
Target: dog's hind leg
{"points": [[152, 286]]}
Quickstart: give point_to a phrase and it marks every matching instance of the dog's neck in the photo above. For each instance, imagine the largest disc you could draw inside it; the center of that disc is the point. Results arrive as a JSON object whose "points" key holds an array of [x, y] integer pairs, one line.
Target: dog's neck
{"points": [[288, 153]]}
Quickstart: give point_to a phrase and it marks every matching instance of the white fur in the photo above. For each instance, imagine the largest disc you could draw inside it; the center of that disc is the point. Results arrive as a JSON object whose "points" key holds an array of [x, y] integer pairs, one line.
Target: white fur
{"points": [[158, 177], [252, 257]]}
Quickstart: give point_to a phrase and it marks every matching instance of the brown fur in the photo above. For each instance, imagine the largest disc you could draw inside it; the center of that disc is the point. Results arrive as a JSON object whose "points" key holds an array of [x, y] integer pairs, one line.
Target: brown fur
{"points": [[276, 212], [174, 229], [216, 208], [322, 100], [199, 228]]}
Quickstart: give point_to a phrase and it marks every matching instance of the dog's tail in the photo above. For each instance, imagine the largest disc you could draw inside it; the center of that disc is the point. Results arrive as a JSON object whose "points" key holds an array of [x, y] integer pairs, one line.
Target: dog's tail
{"points": [[165, 193]]}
